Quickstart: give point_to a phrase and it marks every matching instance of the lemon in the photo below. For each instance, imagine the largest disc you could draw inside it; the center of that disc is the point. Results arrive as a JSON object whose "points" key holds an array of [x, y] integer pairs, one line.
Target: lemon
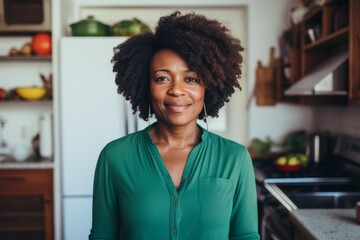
{"points": [[293, 161], [281, 161]]}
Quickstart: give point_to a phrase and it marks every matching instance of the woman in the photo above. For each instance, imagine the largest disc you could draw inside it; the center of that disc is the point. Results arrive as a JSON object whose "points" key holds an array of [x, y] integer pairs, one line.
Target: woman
{"points": [[174, 179]]}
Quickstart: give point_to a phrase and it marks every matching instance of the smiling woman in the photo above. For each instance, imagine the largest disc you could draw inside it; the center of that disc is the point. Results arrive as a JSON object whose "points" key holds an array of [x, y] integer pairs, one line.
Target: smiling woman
{"points": [[177, 93], [175, 179]]}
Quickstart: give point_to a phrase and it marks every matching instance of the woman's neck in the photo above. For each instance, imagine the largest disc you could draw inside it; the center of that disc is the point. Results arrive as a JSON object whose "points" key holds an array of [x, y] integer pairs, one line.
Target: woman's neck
{"points": [[175, 136]]}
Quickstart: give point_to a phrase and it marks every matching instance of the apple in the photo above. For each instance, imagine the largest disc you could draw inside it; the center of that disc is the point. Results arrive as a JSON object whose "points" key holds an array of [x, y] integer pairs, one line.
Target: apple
{"points": [[293, 161], [303, 159]]}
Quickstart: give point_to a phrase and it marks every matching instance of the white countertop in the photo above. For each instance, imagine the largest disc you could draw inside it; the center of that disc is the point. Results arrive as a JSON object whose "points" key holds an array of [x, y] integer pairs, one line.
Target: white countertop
{"points": [[44, 164], [327, 224]]}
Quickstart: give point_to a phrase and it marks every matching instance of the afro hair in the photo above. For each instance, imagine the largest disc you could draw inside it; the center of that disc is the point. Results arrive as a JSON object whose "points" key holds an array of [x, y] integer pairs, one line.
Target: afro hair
{"points": [[206, 45]]}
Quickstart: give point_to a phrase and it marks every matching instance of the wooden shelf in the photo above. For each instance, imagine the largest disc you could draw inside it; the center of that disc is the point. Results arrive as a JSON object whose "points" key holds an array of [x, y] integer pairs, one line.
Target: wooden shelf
{"points": [[26, 58], [340, 36], [312, 13], [22, 102], [21, 33]]}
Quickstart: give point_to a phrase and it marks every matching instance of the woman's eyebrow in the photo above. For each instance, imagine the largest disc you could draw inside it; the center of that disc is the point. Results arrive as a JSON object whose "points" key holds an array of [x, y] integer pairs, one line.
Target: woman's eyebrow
{"points": [[167, 70], [162, 70]]}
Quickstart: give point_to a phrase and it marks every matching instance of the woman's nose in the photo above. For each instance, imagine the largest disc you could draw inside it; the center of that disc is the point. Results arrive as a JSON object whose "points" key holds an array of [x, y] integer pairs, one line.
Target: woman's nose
{"points": [[176, 88]]}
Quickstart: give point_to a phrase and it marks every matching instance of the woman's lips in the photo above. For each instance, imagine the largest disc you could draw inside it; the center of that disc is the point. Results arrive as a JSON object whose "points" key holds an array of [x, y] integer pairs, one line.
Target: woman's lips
{"points": [[177, 107]]}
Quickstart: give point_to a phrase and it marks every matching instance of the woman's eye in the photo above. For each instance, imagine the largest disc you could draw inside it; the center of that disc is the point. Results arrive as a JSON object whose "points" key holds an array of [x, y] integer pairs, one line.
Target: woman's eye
{"points": [[161, 79], [192, 80]]}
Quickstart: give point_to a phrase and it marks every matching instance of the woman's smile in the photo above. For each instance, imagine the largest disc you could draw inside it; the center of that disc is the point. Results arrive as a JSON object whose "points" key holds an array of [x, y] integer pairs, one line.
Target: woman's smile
{"points": [[176, 106]]}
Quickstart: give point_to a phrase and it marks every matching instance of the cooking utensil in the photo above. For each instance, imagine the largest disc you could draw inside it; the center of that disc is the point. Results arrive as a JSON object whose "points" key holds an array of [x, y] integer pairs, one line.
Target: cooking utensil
{"points": [[129, 28], [89, 27]]}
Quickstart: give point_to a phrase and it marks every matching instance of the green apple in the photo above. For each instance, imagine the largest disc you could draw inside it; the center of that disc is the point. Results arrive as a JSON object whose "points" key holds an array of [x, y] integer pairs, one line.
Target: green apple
{"points": [[303, 159], [293, 161]]}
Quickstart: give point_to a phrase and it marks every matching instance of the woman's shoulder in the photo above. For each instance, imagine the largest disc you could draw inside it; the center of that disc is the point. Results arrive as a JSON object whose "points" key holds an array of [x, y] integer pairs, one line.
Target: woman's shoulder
{"points": [[125, 142]]}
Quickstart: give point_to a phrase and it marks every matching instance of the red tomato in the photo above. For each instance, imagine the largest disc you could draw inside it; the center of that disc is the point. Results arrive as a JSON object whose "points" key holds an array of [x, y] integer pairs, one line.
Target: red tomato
{"points": [[2, 93], [41, 44]]}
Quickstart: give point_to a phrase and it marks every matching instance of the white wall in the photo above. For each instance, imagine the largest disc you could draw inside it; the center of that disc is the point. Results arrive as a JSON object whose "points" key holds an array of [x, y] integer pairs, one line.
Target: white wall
{"points": [[338, 120], [267, 21]]}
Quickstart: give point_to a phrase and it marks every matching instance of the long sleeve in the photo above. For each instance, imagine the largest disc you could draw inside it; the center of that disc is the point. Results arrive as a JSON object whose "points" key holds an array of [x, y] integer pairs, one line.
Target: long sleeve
{"points": [[105, 213], [244, 219]]}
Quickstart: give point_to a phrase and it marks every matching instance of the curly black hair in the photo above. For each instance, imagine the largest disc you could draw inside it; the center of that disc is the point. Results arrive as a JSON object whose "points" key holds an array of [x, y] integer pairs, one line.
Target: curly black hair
{"points": [[206, 45]]}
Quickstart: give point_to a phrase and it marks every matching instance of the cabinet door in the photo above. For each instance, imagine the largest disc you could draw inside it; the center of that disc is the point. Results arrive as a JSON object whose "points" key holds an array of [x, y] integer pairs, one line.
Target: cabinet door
{"points": [[77, 217], [26, 205], [354, 51]]}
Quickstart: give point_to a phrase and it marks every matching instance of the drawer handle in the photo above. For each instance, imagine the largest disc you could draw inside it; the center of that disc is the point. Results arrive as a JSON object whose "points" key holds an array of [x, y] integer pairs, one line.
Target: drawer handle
{"points": [[11, 179]]}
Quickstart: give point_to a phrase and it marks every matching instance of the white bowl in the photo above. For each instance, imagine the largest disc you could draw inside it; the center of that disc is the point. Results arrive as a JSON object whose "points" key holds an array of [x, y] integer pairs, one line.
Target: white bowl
{"points": [[21, 152]]}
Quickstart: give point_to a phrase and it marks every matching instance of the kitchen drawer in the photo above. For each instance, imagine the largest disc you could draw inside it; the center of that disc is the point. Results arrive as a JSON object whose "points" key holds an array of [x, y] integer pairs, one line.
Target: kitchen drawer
{"points": [[35, 178]]}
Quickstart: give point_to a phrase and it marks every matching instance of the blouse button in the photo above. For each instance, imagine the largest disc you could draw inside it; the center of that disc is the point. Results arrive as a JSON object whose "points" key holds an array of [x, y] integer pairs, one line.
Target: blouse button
{"points": [[175, 200], [174, 230]]}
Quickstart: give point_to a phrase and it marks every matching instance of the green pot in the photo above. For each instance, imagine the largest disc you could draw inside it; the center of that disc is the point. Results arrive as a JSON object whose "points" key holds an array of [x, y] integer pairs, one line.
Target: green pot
{"points": [[129, 28], [89, 27]]}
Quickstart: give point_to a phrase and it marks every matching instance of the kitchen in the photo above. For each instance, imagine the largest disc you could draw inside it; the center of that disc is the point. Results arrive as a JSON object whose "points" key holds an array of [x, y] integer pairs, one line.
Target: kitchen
{"points": [[283, 118]]}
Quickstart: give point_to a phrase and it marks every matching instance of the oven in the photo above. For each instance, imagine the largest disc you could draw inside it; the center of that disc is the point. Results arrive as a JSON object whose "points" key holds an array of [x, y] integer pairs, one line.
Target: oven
{"points": [[275, 223], [315, 186]]}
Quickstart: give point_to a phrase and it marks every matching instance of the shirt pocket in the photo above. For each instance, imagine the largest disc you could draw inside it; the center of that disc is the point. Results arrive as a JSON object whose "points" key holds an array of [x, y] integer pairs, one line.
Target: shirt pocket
{"points": [[216, 201]]}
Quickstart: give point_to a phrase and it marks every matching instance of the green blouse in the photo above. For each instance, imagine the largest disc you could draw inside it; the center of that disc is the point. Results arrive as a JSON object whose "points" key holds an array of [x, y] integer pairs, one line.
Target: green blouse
{"points": [[135, 198]]}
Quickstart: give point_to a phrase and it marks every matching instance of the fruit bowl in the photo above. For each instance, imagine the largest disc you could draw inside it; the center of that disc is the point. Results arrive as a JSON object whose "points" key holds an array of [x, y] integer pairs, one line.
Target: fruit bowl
{"points": [[291, 162], [289, 168], [31, 93]]}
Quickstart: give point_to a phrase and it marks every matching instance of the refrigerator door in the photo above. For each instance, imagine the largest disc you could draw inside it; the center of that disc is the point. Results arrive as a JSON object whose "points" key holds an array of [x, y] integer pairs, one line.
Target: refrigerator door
{"points": [[77, 218], [92, 112]]}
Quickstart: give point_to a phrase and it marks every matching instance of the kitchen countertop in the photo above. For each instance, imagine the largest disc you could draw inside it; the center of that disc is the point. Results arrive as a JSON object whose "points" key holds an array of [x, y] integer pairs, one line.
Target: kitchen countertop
{"points": [[327, 224], [44, 164]]}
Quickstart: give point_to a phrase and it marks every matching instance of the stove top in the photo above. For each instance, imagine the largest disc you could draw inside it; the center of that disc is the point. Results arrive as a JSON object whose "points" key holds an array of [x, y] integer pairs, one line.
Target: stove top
{"points": [[343, 166], [266, 171]]}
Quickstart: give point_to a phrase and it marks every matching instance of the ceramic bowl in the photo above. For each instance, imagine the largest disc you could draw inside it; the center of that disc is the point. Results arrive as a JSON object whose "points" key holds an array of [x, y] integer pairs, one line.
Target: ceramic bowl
{"points": [[31, 93], [21, 152]]}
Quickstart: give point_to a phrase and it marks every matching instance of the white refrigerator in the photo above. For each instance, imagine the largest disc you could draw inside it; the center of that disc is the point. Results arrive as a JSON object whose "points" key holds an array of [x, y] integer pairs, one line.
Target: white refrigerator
{"points": [[91, 115]]}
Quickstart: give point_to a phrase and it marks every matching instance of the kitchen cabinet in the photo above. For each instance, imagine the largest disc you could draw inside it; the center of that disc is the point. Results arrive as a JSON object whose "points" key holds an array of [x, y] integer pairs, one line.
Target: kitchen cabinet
{"points": [[354, 51], [324, 32], [26, 204], [327, 31]]}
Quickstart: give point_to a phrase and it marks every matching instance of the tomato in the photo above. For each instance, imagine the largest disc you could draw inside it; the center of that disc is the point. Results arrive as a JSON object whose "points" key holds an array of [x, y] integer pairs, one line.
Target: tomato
{"points": [[41, 44], [2, 93]]}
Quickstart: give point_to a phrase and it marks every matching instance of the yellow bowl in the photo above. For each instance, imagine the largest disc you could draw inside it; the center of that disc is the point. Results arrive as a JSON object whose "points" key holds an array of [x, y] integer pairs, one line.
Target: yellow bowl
{"points": [[31, 93]]}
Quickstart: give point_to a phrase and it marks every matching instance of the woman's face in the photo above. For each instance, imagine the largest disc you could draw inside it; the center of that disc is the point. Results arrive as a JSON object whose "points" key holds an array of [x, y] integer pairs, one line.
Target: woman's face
{"points": [[177, 94]]}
